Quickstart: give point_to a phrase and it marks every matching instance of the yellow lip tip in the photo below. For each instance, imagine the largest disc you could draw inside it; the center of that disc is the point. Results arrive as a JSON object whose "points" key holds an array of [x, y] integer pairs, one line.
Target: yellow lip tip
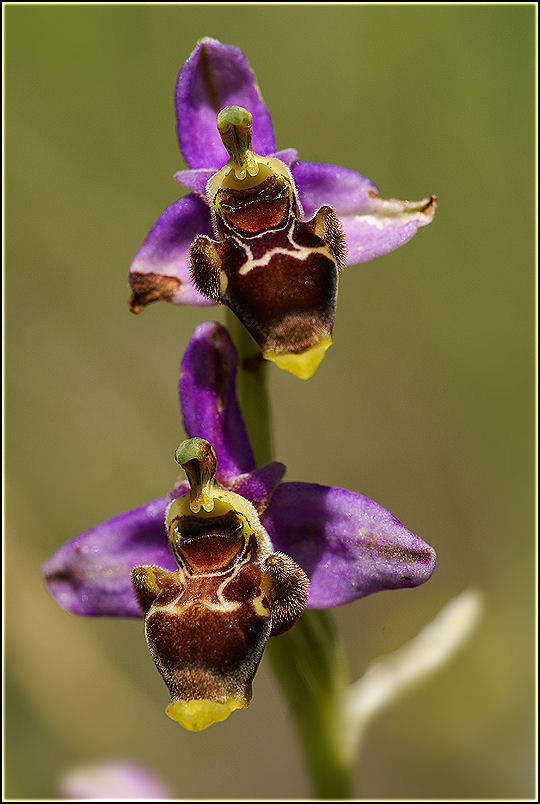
{"points": [[199, 714], [302, 365]]}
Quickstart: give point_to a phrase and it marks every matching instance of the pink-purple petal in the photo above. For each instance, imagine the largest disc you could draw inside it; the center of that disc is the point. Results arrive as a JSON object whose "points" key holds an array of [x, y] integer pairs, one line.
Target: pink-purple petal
{"points": [[91, 574], [210, 408], [181, 487], [259, 485], [348, 545], [215, 76], [110, 781], [288, 156], [165, 252], [373, 226], [195, 180]]}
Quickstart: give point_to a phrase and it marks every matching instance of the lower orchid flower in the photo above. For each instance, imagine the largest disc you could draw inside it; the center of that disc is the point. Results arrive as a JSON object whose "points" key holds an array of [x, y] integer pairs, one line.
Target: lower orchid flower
{"points": [[231, 557], [262, 233]]}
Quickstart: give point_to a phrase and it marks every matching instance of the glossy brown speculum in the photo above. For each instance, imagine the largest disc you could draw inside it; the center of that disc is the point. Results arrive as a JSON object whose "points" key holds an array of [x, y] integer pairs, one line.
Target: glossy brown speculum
{"points": [[208, 544], [256, 209]]}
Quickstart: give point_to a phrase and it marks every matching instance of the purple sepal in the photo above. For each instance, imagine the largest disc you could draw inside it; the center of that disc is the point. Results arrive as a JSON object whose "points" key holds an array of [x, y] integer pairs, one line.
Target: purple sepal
{"points": [[208, 400], [259, 485], [343, 189], [372, 225], [166, 249], [215, 76], [348, 545], [91, 574]]}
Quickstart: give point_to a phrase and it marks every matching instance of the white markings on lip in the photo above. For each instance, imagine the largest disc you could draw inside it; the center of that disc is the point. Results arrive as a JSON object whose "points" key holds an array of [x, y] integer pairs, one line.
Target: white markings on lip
{"points": [[176, 608], [295, 251]]}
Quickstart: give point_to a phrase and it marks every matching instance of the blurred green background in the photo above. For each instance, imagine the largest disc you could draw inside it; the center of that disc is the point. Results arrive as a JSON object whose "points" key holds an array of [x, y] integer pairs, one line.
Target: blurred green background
{"points": [[430, 380]]}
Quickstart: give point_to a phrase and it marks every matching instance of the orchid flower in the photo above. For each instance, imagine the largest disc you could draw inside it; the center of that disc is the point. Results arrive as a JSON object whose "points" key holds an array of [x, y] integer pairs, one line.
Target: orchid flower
{"points": [[232, 556], [261, 232]]}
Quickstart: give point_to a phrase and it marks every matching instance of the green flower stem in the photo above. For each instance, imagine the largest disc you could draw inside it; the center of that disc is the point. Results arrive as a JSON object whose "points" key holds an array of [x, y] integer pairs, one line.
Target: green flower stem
{"points": [[251, 389], [309, 663], [308, 660]]}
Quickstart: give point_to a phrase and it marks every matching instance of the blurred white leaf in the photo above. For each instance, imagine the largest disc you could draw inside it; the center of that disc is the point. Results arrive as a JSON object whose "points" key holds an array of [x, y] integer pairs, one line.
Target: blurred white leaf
{"points": [[388, 678]]}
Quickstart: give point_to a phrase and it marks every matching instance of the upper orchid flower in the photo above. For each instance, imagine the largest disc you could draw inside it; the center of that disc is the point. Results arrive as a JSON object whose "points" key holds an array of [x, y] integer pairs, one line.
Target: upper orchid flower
{"points": [[260, 232], [224, 561]]}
